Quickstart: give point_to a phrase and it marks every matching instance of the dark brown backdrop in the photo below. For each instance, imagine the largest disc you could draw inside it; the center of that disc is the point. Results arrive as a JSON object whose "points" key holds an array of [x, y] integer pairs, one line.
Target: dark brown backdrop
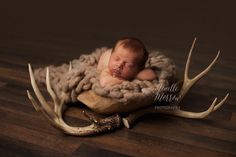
{"points": [[54, 32]]}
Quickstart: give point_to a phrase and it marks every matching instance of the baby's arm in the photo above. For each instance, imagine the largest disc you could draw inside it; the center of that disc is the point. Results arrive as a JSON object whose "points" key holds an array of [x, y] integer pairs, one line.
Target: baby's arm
{"points": [[146, 74], [107, 80]]}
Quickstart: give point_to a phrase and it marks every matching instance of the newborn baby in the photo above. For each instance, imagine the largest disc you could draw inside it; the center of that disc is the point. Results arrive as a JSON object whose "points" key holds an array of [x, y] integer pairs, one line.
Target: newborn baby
{"points": [[125, 61]]}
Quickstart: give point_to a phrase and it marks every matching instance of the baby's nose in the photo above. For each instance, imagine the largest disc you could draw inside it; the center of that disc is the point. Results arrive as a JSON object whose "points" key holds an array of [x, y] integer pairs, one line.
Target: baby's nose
{"points": [[120, 64]]}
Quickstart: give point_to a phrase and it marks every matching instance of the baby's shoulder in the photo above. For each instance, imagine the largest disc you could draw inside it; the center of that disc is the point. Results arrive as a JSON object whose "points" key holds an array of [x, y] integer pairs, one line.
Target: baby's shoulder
{"points": [[104, 59], [107, 53]]}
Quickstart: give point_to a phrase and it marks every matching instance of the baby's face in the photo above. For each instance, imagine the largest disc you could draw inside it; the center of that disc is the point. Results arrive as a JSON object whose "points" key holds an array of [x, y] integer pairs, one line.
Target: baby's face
{"points": [[123, 63]]}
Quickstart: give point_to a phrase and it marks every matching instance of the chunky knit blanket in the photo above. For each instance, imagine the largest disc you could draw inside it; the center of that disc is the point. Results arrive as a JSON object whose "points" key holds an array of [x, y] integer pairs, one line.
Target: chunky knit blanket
{"points": [[84, 76]]}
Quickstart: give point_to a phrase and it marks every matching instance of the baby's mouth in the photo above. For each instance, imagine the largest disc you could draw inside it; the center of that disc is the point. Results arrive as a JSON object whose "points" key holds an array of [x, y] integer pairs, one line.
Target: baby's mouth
{"points": [[116, 73]]}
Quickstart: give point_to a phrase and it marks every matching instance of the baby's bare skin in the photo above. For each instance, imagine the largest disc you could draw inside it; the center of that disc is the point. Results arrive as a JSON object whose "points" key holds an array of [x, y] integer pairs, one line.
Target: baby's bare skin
{"points": [[121, 65]]}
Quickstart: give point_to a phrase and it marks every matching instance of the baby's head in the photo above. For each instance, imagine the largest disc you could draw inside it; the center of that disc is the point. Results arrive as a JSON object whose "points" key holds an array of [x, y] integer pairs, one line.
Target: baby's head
{"points": [[128, 57]]}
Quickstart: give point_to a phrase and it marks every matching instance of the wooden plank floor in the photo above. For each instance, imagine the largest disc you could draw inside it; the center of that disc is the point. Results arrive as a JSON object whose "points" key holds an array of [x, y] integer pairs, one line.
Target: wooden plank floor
{"points": [[24, 132]]}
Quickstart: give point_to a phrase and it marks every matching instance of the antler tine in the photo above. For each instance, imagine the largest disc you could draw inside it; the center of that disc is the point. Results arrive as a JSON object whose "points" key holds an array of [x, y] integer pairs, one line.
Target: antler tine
{"points": [[33, 101], [50, 91], [39, 108], [199, 76], [195, 115], [186, 77], [70, 66], [221, 102], [38, 94], [198, 115], [188, 83]]}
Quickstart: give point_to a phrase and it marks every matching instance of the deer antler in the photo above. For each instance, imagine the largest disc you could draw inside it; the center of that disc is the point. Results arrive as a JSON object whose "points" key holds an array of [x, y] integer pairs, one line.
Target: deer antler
{"points": [[55, 116], [187, 84]]}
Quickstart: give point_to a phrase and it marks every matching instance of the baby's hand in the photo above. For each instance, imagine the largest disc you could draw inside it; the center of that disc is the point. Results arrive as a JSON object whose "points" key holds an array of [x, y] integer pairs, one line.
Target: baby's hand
{"points": [[107, 80], [146, 74]]}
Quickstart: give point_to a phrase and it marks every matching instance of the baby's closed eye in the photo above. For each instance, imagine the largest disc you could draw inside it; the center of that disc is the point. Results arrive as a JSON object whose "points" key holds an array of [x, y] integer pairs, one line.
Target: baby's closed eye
{"points": [[130, 65]]}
